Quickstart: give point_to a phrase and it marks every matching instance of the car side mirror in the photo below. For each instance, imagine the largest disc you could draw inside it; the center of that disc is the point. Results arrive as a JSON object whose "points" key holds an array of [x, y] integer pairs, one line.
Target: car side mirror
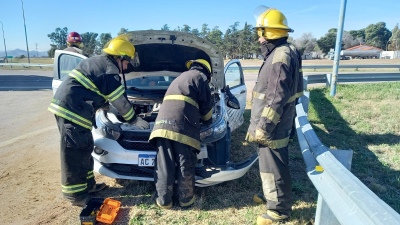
{"points": [[232, 101]]}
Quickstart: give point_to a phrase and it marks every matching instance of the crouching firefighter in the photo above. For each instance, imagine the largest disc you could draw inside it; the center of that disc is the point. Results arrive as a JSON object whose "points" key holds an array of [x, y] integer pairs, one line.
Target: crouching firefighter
{"points": [[88, 87], [176, 134], [279, 84]]}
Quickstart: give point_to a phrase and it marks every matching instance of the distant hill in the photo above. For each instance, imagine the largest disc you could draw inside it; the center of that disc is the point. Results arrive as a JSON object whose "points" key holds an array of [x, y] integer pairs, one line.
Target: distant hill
{"points": [[18, 52]]}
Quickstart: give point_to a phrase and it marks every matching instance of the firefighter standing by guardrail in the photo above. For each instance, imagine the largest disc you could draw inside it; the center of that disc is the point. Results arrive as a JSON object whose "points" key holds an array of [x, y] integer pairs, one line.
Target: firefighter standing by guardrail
{"points": [[279, 83]]}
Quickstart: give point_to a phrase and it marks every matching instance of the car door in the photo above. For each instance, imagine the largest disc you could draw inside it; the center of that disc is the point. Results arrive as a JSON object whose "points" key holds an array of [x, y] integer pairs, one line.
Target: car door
{"points": [[234, 78], [64, 62]]}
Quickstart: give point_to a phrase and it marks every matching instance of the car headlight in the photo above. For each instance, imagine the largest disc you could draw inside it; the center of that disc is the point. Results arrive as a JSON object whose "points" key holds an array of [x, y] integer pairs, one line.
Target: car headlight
{"points": [[106, 128], [215, 131]]}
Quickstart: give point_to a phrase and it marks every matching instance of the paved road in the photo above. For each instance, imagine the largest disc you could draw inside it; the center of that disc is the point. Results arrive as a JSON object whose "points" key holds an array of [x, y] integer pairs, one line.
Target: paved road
{"points": [[25, 80]]}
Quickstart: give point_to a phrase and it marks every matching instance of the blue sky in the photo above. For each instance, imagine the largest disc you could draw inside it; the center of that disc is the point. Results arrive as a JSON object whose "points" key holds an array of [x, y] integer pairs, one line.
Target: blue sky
{"points": [[42, 17]]}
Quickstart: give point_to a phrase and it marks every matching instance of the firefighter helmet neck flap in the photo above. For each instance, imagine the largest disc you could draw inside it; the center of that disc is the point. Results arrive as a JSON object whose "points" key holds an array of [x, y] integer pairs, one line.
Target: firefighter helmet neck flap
{"points": [[271, 23]]}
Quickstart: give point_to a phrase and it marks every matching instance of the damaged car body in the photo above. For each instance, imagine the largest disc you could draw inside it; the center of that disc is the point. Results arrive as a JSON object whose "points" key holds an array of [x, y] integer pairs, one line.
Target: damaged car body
{"points": [[123, 152]]}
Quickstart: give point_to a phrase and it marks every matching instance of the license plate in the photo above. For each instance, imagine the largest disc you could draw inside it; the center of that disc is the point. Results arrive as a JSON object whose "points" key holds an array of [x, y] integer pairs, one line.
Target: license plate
{"points": [[146, 159]]}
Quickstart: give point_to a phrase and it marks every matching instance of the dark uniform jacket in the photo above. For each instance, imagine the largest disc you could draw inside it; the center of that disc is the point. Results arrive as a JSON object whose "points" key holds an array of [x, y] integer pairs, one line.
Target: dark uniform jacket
{"points": [[188, 99], [94, 81], [279, 84]]}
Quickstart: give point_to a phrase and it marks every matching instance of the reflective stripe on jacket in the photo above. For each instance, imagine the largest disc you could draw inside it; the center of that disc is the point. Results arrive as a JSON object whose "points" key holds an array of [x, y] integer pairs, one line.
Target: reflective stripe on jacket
{"points": [[187, 100], [94, 81], [279, 84]]}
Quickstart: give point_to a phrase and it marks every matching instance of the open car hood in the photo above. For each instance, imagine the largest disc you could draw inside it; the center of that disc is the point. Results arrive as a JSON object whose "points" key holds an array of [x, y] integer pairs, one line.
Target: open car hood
{"points": [[161, 50]]}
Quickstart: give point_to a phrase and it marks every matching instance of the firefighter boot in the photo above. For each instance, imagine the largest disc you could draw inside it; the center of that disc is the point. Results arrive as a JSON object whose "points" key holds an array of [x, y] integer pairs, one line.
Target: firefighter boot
{"points": [[80, 201], [259, 198], [97, 187], [187, 204], [270, 217], [169, 206]]}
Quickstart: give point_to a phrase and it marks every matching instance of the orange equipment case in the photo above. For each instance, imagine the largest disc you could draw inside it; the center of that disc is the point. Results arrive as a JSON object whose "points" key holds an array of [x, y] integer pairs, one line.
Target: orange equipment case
{"points": [[108, 211]]}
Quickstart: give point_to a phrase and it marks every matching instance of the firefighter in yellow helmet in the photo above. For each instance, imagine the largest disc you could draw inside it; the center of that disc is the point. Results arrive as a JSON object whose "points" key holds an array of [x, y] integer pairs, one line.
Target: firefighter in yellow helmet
{"points": [[279, 84], [176, 133], [87, 88]]}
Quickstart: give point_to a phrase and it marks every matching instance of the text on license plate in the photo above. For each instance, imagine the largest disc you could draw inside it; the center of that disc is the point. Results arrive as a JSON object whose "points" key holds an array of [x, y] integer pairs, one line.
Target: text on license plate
{"points": [[146, 159]]}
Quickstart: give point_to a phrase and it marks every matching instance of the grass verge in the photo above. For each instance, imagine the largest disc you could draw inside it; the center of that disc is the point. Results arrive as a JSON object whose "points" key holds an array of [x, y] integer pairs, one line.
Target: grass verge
{"points": [[361, 117]]}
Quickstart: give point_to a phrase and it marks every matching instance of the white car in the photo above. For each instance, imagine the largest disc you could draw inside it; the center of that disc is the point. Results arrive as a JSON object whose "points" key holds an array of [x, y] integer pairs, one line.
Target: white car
{"points": [[122, 152]]}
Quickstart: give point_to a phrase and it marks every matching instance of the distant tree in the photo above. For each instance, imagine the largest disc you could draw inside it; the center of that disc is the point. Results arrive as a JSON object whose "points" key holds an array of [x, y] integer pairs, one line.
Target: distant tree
{"points": [[306, 43], [195, 32], [358, 34], [393, 43], [204, 30], [377, 35], [215, 36], [246, 40], [90, 41], [328, 41], [186, 28], [165, 27], [59, 38], [231, 41], [349, 41], [52, 50], [104, 38], [123, 31]]}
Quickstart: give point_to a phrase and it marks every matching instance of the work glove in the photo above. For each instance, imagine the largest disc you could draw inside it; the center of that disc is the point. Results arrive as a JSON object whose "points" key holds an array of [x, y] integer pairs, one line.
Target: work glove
{"points": [[138, 124], [141, 123]]}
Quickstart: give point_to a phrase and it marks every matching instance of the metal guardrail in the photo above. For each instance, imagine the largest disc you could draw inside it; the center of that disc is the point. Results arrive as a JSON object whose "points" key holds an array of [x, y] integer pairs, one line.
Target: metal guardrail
{"points": [[26, 65], [355, 66], [342, 197]]}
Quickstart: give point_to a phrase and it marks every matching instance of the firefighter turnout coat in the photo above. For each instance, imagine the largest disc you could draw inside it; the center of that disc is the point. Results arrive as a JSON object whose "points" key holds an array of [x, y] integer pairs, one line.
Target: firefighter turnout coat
{"points": [[87, 88], [279, 84], [188, 99]]}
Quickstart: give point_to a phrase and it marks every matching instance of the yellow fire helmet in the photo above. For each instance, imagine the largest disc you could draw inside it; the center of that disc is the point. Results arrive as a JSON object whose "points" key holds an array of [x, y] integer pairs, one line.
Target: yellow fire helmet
{"points": [[121, 46], [271, 23], [201, 61]]}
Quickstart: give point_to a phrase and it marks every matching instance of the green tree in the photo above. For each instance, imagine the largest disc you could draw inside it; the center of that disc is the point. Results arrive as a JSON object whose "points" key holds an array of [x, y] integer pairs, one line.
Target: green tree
{"points": [[52, 50], [165, 27], [104, 38], [246, 40], [58, 38], [358, 34], [377, 35], [123, 31], [89, 39], [204, 30], [393, 43], [231, 41], [328, 41], [186, 28], [215, 36], [196, 32]]}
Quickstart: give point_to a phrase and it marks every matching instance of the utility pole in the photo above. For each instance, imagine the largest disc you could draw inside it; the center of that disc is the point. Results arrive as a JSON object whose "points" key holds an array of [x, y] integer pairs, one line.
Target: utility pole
{"points": [[26, 37], [5, 48], [37, 53]]}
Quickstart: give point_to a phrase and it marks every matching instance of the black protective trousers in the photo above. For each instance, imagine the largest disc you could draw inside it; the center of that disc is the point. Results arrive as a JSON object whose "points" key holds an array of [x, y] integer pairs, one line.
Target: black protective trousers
{"points": [[174, 162], [76, 146], [276, 179]]}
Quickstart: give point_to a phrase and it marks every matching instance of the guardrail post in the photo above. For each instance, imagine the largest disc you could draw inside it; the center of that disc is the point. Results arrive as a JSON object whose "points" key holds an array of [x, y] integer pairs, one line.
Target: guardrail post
{"points": [[323, 214], [305, 82], [328, 79]]}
